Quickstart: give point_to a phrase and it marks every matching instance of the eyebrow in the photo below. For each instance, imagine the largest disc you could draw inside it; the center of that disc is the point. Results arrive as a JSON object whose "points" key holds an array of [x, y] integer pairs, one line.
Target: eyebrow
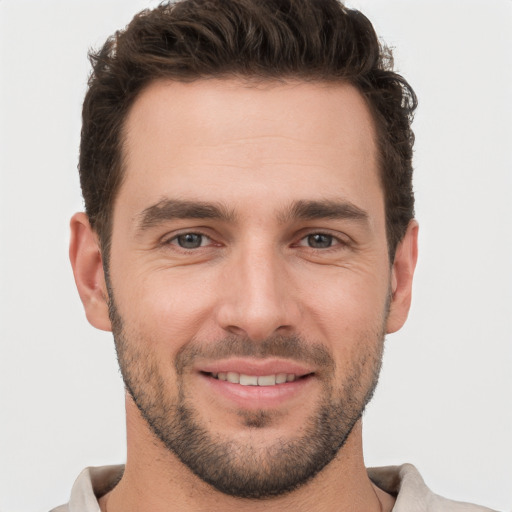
{"points": [[170, 209], [324, 209]]}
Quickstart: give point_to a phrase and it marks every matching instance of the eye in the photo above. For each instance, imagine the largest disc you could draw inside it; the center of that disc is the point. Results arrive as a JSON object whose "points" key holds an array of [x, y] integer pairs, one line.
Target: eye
{"points": [[319, 241], [190, 240]]}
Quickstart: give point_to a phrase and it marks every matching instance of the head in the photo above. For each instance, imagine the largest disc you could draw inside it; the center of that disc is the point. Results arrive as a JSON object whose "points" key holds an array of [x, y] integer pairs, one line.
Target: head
{"points": [[310, 41], [246, 168]]}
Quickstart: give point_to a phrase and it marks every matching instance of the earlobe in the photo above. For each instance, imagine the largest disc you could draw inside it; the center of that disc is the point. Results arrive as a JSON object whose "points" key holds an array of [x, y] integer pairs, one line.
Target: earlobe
{"points": [[402, 274], [86, 260]]}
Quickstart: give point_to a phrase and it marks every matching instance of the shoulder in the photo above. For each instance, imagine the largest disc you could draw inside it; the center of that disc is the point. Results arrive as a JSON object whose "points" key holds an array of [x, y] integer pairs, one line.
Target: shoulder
{"points": [[62, 508], [412, 495], [92, 483]]}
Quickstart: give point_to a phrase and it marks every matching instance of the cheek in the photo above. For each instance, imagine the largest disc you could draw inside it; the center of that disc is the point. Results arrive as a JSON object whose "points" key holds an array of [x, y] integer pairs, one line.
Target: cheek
{"points": [[348, 316], [166, 307], [346, 301], [350, 320]]}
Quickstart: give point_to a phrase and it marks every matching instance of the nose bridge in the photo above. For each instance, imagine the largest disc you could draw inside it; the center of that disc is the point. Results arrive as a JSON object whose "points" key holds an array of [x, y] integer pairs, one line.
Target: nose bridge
{"points": [[259, 301]]}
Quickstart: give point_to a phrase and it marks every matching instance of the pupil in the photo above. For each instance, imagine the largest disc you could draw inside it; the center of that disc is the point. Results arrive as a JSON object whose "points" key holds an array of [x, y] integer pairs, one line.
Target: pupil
{"points": [[319, 241], [190, 241]]}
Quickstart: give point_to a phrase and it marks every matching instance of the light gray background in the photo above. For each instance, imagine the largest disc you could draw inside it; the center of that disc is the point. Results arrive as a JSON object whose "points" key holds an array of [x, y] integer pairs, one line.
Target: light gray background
{"points": [[445, 396]]}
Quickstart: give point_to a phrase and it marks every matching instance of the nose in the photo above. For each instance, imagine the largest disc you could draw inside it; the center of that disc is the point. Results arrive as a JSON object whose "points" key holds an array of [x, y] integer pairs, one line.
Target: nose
{"points": [[258, 297]]}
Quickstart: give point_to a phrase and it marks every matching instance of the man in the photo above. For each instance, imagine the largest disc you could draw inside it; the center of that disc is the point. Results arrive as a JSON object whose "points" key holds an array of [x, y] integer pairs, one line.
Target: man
{"points": [[249, 239]]}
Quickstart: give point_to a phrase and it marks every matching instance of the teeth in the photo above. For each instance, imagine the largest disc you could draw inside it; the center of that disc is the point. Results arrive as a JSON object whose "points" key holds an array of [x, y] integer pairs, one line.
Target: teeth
{"points": [[248, 380], [253, 380], [280, 378], [233, 377], [267, 380]]}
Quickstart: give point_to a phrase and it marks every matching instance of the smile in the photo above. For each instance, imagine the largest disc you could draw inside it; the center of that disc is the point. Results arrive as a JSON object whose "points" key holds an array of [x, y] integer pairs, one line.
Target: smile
{"points": [[255, 380], [258, 385]]}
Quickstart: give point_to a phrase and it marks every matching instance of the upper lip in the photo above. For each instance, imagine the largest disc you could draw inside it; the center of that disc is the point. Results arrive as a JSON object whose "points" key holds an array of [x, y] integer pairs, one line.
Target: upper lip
{"points": [[258, 367]]}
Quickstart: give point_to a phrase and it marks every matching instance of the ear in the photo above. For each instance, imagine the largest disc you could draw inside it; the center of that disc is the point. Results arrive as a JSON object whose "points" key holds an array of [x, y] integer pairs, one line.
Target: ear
{"points": [[402, 273], [86, 260]]}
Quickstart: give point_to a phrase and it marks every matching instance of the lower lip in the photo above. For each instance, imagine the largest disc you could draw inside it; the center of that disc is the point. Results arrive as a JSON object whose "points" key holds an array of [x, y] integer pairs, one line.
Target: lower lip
{"points": [[259, 397]]}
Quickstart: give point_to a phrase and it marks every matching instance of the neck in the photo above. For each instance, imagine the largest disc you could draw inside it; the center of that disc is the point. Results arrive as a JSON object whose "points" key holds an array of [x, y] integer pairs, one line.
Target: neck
{"points": [[154, 479]]}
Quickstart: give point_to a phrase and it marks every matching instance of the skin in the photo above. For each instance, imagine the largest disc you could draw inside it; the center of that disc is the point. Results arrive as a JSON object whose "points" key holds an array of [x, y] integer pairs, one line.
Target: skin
{"points": [[256, 150]]}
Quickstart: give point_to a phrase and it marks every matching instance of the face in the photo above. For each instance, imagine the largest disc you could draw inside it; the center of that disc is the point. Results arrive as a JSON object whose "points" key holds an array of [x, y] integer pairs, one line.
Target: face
{"points": [[249, 281]]}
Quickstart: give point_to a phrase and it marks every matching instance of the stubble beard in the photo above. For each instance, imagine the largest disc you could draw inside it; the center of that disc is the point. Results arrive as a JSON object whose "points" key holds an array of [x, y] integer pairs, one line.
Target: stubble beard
{"points": [[245, 469]]}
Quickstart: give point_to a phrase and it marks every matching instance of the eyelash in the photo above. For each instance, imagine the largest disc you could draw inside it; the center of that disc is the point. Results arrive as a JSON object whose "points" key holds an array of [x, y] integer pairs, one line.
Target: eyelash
{"points": [[335, 242], [175, 238]]}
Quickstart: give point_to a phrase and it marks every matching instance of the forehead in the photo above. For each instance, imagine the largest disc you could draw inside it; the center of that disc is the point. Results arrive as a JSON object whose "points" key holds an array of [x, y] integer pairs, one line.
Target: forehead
{"points": [[226, 138]]}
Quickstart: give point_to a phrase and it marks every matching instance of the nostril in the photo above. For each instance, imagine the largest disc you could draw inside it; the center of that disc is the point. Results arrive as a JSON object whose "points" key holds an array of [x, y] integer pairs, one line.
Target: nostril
{"points": [[257, 320], [233, 329]]}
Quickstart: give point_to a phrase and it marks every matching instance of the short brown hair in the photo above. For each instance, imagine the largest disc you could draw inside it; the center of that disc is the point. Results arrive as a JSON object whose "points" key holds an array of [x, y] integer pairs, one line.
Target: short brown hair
{"points": [[311, 40]]}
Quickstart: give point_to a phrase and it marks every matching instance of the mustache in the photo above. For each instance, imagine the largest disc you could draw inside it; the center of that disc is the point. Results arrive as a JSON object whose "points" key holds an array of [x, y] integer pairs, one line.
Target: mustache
{"points": [[292, 347]]}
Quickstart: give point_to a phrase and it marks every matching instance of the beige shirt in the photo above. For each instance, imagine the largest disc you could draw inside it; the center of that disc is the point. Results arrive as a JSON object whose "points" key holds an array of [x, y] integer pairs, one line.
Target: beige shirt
{"points": [[404, 482]]}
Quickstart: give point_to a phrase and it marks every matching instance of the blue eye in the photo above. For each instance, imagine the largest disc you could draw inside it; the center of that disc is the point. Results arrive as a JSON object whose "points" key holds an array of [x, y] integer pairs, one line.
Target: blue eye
{"points": [[190, 240], [320, 241]]}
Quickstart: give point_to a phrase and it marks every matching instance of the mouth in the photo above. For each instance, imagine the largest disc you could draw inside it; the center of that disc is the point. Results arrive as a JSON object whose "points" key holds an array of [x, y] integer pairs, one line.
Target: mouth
{"points": [[251, 384], [256, 380]]}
